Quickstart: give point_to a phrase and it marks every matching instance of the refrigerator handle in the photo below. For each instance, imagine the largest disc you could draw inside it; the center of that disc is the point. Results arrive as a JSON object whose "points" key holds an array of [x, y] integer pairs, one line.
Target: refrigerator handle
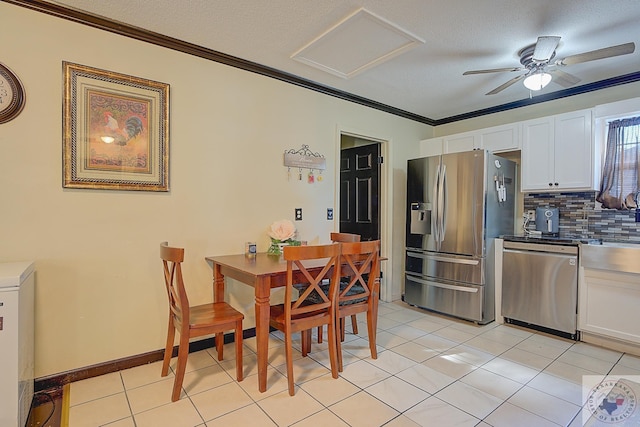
{"points": [[442, 202], [443, 258], [436, 208], [469, 289]]}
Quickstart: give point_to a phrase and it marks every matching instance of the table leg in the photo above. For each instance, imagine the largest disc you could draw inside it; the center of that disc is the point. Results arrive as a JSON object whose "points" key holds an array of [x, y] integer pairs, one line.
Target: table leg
{"points": [[218, 284], [263, 290]]}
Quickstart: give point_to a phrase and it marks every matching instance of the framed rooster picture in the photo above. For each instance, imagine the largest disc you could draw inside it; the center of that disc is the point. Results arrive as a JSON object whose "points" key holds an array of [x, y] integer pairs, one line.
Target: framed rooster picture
{"points": [[116, 130]]}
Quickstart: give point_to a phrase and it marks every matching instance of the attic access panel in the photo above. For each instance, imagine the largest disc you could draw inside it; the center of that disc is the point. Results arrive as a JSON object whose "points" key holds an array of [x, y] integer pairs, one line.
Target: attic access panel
{"points": [[360, 41]]}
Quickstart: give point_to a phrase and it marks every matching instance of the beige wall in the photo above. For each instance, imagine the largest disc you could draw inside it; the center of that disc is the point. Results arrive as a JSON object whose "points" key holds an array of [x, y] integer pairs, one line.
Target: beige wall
{"points": [[99, 293]]}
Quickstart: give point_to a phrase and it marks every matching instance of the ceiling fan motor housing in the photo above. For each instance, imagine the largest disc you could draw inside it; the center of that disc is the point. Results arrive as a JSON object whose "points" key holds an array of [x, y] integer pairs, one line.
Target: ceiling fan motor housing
{"points": [[526, 58]]}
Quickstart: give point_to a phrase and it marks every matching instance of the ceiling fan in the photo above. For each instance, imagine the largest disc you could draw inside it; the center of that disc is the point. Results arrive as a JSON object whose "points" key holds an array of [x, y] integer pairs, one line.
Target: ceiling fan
{"points": [[536, 60]]}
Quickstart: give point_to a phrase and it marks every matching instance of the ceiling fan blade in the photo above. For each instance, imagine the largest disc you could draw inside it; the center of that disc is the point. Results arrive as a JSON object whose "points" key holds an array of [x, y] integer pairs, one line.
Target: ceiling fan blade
{"points": [[607, 52], [564, 79], [506, 85], [545, 47], [492, 70]]}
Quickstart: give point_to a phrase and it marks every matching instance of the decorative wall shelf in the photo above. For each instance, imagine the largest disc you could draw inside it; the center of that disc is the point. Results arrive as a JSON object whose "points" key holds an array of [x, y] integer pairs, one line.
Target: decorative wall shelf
{"points": [[304, 159]]}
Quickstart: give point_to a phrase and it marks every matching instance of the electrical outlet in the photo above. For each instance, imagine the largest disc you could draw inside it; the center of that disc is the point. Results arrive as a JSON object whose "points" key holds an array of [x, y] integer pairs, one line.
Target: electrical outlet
{"points": [[298, 214], [329, 214], [532, 215]]}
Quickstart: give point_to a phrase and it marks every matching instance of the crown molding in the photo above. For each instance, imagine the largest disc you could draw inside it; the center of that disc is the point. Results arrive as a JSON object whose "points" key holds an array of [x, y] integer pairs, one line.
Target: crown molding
{"points": [[232, 61]]}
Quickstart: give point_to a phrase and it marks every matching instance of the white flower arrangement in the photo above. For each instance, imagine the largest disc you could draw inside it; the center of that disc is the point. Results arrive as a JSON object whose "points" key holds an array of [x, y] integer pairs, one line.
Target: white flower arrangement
{"points": [[281, 232]]}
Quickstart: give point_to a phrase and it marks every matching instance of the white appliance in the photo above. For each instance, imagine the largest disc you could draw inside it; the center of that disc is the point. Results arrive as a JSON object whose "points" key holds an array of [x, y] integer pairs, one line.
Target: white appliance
{"points": [[547, 221], [17, 286]]}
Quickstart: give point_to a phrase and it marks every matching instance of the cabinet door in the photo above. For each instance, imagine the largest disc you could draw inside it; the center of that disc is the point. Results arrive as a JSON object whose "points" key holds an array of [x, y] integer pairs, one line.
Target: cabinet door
{"points": [[557, 153], [431, 147], [609, 304], [573, 151], [538, 155], [460, 142], [500, 138]]}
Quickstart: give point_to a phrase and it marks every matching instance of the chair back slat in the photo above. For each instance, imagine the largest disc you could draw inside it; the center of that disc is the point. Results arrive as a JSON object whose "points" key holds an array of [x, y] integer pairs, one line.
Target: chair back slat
{"points": [[172, 259], [362, 260], [313, 284], [295, 255], [345, 237]]}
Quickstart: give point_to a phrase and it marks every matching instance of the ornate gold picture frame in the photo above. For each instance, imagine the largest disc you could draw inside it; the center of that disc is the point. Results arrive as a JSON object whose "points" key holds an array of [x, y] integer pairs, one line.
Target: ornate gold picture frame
{"points": [[116, 131]]}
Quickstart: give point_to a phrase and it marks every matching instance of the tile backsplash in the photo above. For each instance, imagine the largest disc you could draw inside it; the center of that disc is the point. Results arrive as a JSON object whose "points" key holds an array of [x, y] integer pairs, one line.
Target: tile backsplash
{"points": [[581, 215]]}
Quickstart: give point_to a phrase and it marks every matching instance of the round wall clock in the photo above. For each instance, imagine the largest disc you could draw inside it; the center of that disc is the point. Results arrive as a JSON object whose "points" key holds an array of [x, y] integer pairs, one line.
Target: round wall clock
{"points": [[12, 95]]}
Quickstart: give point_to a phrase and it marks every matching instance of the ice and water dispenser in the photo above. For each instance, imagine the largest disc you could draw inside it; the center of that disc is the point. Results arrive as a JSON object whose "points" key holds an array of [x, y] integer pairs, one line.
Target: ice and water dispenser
{"points": [[420, 218]]}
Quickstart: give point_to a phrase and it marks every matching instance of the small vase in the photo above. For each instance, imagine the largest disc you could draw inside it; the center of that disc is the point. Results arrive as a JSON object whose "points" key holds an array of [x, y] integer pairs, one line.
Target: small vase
{"points": [[281, 248], [275, 248]]}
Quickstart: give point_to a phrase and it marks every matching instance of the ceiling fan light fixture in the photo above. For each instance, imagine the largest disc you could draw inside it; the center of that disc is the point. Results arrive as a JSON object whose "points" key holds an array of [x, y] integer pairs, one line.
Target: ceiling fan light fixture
{"points": [[537, 81]]}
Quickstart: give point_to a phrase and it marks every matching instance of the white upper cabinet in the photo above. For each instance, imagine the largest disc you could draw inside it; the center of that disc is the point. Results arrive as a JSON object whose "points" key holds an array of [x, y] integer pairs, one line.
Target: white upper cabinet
{"points": [[449, 144], [537, 154], [431, 147], [557, 153], [500, 138], [574, 145], [461, 142], [496, 139]]}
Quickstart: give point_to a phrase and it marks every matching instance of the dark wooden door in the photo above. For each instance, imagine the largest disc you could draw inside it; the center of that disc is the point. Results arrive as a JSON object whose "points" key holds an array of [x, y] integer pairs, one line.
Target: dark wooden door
{"points": [[360, 191]]}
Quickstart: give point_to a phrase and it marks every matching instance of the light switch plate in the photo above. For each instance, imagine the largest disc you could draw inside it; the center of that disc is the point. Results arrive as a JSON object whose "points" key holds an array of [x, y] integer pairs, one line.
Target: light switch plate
{"points": [[298, 214], [329, 214]]}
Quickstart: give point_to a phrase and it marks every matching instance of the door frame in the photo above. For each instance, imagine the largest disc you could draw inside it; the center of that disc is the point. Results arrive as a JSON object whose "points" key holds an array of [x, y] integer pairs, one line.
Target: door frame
{"points": [[386, 211]]}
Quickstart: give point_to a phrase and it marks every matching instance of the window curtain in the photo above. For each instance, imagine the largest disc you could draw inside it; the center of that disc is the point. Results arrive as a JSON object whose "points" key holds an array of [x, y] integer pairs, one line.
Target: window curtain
{"points": [[620, 178]]}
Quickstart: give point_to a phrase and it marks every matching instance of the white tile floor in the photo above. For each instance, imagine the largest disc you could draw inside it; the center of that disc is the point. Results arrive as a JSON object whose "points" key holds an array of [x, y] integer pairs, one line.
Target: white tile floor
{"points": [[431, 370]]}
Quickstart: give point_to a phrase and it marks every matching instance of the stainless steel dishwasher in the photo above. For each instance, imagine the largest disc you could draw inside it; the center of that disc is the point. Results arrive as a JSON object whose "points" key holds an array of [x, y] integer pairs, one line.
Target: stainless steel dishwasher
{"points": [[540, 286]]}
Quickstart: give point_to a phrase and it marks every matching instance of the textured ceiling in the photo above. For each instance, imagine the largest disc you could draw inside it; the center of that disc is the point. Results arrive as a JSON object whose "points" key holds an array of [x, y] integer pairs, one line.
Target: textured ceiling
{"points": [[426, 80]]}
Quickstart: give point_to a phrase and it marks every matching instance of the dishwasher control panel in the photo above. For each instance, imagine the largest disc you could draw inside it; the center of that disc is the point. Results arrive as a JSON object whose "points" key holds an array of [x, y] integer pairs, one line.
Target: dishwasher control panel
{"points": [[542, 247]]}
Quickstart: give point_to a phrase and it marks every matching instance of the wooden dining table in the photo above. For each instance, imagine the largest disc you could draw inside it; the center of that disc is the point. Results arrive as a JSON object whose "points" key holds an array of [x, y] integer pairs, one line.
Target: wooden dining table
{"points": [[263, 273]]}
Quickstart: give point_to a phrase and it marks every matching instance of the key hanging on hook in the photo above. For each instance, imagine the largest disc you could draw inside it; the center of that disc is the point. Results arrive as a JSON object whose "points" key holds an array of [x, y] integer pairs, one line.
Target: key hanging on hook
{"points": [[319, 178], [310, 177], [300, 174], [288, 174]]}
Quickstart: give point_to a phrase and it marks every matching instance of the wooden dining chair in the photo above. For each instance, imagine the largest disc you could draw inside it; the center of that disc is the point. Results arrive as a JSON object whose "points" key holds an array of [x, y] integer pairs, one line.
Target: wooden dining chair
{"points": [[361, 261], [304, 314], [193, 321], [343, 238]]}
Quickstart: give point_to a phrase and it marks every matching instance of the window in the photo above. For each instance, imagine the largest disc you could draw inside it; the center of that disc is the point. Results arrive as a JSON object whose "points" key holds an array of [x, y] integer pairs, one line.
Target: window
{"points": [[620, 185]]}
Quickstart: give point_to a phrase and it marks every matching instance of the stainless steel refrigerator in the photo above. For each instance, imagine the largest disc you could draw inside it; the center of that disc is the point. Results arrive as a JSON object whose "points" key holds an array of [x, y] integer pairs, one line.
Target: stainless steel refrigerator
{"points": [[457, 204]]}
